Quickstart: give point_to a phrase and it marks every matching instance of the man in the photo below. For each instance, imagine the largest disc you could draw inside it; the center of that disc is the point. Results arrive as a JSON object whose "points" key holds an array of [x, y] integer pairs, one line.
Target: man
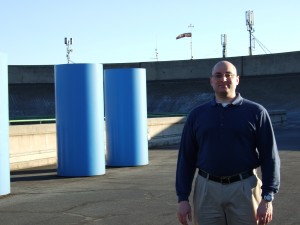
{"points": [[226, 140]]}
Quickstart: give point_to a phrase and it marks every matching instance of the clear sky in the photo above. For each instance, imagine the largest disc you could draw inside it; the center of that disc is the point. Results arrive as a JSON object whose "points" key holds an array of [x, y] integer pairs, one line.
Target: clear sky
{"points": [[32, 32]]}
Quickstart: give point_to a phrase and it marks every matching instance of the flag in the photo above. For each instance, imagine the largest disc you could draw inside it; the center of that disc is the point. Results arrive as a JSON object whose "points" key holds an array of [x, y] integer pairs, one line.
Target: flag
{"points": [[184, 35]]}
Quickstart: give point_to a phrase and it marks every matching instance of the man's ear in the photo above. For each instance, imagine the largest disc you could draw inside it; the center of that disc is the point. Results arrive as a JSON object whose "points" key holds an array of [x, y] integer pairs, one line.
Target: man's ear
{"points": [[237, 79], [210, 81]]}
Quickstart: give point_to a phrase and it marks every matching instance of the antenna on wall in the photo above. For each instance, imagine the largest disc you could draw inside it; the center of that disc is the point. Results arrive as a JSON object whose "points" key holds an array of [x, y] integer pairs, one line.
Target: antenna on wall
{"points": [[156, 52], [68, 42], [191, 27], [249, 24], [224, 44]]}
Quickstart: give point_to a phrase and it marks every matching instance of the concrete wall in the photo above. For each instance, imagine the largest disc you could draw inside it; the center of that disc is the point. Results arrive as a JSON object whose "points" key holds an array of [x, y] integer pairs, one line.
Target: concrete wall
{"points": [[35, 145], [271, 64], [32, 145], [165, 131]]}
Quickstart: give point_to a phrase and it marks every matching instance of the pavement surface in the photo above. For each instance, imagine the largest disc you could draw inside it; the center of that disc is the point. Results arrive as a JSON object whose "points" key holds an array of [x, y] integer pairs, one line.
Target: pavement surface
{"points": [[143, 195]]}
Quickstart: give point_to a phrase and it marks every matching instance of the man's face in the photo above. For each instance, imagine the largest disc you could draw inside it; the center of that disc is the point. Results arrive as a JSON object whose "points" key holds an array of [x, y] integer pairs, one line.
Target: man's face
{"points": [[224, 80]]}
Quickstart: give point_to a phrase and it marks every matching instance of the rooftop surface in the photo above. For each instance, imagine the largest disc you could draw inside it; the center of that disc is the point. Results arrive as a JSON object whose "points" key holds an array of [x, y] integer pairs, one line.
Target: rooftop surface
{"points": [[143, 195]]}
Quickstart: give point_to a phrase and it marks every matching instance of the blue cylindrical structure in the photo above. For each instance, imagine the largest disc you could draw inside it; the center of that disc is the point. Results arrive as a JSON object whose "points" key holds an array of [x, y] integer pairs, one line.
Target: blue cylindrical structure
{"points": [[126, 117], [79, 119], [4, 128]]}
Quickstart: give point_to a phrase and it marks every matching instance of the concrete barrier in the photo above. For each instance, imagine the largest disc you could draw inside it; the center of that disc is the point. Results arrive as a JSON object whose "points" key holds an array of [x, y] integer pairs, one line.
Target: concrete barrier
{"points": [[256, 65], [165, 131], [35, 145], [32, 145]]}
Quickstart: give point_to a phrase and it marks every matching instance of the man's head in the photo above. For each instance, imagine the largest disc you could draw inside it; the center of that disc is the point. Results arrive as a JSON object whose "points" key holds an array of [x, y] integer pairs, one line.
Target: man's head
{"points": [[224, 80]]}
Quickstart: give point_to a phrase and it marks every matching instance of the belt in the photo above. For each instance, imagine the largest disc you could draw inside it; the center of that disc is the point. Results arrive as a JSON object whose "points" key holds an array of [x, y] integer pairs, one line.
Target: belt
{"points": [[226, 179]]}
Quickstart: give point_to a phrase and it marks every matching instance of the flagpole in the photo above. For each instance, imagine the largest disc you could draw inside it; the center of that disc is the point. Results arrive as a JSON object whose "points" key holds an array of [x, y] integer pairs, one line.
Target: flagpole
{"points": [[191, 26], [187, 35]]}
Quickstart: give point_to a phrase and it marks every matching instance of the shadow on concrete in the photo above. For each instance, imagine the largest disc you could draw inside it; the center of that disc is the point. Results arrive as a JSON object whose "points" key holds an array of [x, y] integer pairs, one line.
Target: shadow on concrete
{"points": [[34, 175], [31, 101], [275, 92]]}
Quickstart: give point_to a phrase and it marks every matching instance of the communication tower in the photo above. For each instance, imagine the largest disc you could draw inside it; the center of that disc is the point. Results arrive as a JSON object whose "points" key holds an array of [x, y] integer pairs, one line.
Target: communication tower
{"points": [[224, 44], [68, 43], [249, 24]]}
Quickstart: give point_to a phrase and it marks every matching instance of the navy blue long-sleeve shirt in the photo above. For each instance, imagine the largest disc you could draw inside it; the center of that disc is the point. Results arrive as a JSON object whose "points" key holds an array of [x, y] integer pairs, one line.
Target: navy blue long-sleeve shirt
{"points": [[224, 141]]}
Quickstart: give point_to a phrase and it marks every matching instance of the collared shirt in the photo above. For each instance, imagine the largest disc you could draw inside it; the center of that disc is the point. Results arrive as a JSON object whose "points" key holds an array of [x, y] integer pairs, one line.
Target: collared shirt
{"points": [[225, 141]]}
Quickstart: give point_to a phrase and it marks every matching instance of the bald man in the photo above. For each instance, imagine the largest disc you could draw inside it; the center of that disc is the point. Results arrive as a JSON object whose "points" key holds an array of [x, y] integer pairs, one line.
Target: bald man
{"points": [[225, 140]]}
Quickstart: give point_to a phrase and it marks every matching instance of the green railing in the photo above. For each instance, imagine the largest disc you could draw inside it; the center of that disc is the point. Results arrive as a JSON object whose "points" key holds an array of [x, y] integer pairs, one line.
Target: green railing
{"points": [[43, 120], [23, 121]]}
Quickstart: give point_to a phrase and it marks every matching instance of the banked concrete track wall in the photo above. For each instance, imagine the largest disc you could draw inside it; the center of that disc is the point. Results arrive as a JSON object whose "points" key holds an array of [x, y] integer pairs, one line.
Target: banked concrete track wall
{"points": [[271, 64], [269, 79]]}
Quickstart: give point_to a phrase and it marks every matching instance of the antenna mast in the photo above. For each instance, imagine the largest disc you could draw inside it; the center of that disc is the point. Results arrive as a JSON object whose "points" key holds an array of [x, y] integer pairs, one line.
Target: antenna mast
{"points": [[224, 44], [68, 42], [156, 52], [249, 24]]}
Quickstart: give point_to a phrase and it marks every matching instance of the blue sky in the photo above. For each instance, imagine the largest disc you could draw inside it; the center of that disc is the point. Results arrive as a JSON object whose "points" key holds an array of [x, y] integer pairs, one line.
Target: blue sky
{"points": [[118, 31]]}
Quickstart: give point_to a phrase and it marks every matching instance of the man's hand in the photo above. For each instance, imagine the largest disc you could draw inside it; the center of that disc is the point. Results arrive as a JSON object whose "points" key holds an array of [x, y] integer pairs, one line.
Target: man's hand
{"points": [[264, 212], [184, 212]]}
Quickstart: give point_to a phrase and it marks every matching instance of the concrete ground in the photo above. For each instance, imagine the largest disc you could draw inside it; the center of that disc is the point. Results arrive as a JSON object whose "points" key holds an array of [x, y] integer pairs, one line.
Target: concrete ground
{"points": [[142, 195]]}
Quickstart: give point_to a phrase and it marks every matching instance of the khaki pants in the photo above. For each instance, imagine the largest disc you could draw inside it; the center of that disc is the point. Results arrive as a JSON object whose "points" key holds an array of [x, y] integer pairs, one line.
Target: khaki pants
{"points": [[226, 204]]}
